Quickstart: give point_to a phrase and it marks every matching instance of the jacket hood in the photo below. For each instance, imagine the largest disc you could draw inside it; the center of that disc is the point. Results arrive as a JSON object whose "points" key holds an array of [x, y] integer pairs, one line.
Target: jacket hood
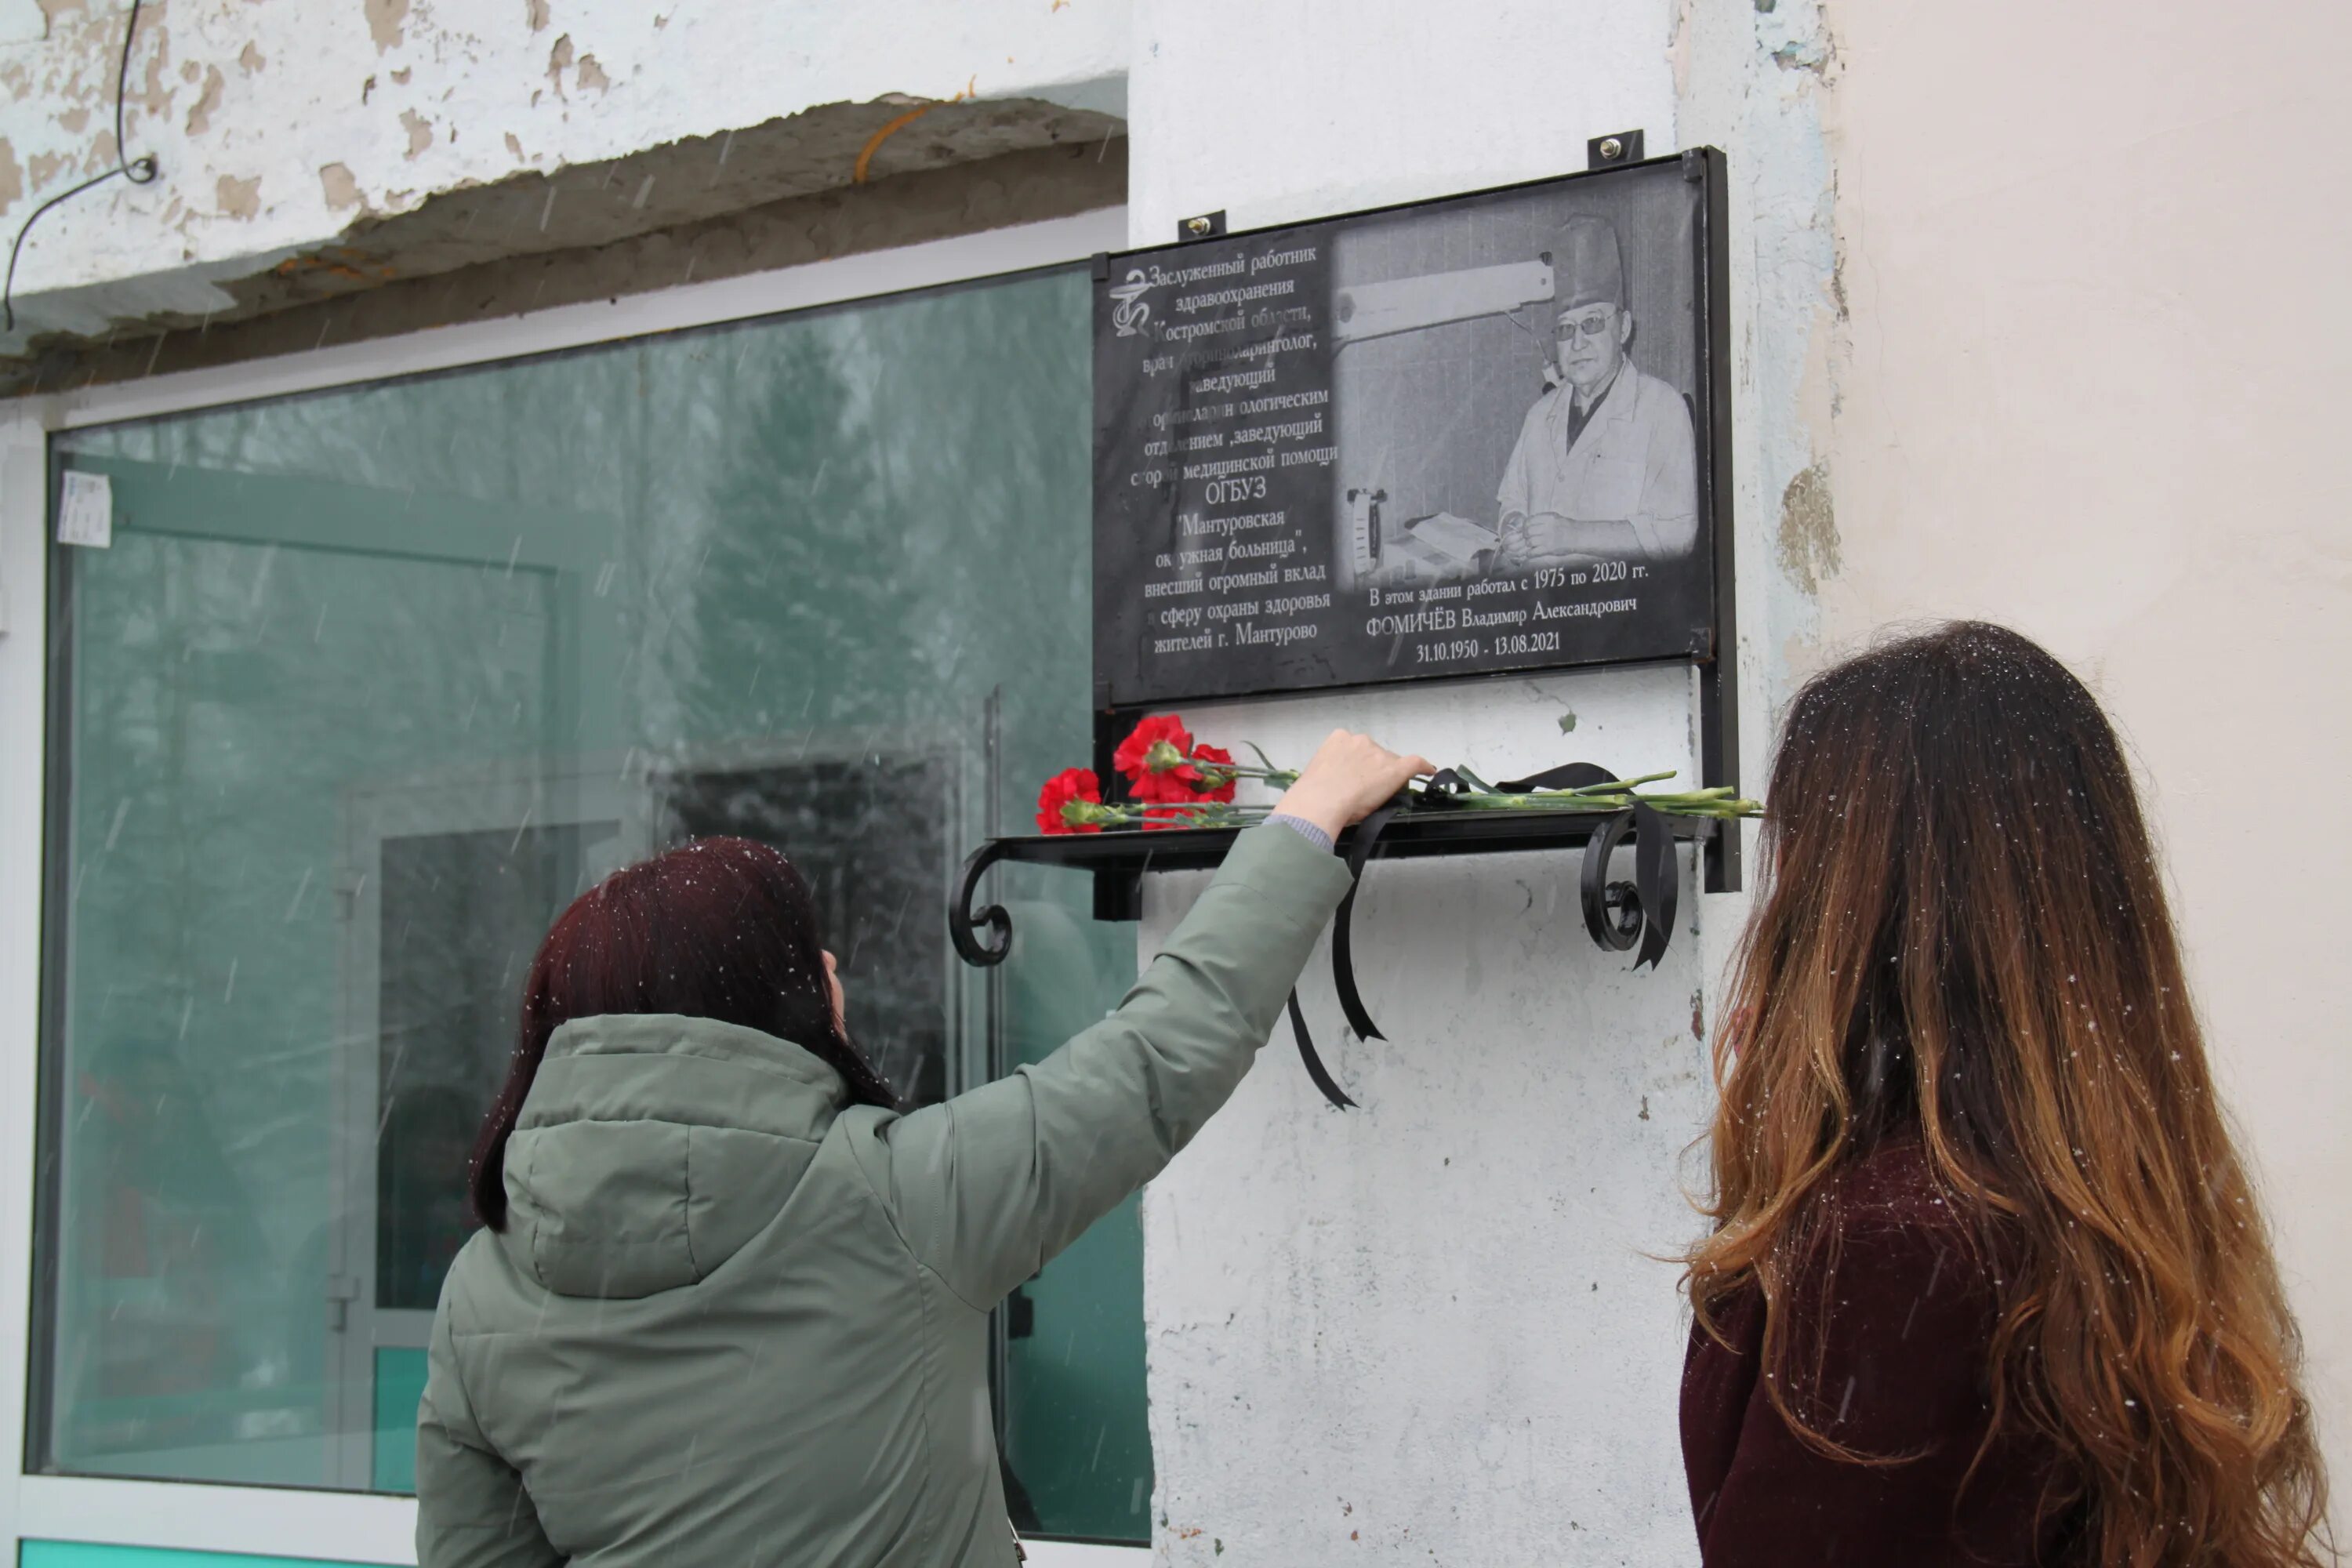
{"points": [[652, 1147]]}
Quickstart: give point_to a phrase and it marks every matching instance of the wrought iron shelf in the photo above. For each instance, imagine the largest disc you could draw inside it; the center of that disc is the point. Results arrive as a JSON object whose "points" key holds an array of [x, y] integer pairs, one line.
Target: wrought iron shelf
{"points": [[1119, 858]]}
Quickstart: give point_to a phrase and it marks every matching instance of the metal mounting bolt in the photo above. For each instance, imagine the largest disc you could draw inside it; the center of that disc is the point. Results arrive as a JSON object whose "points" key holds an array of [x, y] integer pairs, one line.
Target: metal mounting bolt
{"points": [[1202, 226], [1613, 149]]}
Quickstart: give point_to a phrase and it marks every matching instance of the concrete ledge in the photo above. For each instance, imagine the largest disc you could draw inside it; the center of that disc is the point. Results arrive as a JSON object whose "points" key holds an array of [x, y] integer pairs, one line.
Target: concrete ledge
{"points": [[321, 303]]}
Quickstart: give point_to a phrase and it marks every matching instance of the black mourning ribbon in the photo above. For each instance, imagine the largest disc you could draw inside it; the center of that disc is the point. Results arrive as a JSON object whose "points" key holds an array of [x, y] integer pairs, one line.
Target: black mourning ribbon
{"points": [[1315, 1067], [1654, 881], [1343, 963], [1343, 925]]}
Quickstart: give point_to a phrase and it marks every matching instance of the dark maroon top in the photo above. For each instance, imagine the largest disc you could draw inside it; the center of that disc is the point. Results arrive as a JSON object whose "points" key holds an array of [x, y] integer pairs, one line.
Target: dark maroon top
{"points": [[1905, 1324]]}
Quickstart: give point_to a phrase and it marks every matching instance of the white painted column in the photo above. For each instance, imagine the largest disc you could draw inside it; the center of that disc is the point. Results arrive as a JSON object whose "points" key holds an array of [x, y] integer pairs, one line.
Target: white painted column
{"points": [[1435, 1327]]}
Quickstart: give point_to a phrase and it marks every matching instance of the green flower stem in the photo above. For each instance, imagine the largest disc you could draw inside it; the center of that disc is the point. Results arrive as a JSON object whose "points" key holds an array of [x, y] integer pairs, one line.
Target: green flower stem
{"points": [[1215, 813], [1217, 777], [1716, 801], [1618, 786]]}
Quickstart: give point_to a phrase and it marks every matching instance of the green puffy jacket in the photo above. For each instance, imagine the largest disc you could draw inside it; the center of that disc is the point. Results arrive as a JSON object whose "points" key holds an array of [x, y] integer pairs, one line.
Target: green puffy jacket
{"points": [[730, 1322]]}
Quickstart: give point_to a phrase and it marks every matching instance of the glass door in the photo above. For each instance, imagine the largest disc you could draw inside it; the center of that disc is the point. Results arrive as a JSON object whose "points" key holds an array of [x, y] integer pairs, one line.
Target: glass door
{"points": [[446, 890]]}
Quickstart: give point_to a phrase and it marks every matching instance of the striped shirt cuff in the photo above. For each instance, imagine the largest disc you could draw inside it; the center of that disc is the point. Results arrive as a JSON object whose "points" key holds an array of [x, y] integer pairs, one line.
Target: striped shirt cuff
{"points": [[1304, 829]]}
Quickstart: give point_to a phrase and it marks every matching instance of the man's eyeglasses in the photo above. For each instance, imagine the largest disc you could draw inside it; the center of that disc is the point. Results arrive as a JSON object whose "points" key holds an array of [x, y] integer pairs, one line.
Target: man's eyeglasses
{"points": [[1593, 326]]}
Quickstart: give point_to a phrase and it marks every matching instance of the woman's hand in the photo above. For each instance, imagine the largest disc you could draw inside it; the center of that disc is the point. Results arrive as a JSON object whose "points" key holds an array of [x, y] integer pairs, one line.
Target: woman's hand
{"points": [[1350, 777]]}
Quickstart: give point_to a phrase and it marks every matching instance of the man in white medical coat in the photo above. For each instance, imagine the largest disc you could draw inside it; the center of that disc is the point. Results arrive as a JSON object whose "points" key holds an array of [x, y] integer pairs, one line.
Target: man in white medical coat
{"points": [[1605, 467]]}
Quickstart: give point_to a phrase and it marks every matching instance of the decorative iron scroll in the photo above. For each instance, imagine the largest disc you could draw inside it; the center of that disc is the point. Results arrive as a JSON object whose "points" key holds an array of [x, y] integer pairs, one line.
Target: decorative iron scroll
{"points": [[964, 921], [1618, 915]]}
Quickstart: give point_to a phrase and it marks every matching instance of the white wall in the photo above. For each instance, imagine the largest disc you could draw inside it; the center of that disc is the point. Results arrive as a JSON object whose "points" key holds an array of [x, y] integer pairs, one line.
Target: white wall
{"points": [[2100, 347], [1437, 1325]]}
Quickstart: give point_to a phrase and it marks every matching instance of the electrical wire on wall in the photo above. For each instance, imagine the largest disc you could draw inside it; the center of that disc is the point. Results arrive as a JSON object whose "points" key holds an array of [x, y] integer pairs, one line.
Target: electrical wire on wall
{"points": [[139, 171]]}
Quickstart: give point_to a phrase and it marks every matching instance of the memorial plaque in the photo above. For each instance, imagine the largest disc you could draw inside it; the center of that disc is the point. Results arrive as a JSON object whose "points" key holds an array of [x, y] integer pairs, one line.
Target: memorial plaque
{"points": [[1474, 434]]}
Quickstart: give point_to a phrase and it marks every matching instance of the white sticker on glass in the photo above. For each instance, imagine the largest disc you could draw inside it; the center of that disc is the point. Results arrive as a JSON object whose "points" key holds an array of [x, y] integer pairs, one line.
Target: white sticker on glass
{"points": [[86, 512]]}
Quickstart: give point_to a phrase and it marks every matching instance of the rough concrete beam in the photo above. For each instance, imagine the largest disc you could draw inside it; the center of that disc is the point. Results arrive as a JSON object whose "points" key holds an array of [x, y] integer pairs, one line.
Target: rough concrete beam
{"points": [[318, 305], [683, 187]]}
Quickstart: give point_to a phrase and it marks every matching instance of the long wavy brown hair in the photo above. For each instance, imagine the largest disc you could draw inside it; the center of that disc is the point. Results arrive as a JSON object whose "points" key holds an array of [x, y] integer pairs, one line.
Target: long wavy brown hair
{"points": [[1963, 937]]}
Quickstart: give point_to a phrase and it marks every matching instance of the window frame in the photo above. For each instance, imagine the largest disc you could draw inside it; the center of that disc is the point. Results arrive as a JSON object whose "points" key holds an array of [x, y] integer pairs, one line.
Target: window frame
{"points": [[333, 1526]]}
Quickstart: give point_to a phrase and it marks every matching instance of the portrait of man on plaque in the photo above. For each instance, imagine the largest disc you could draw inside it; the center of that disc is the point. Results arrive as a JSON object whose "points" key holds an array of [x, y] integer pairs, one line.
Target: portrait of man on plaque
{"points": [[1514, 390], [1473, 434]]}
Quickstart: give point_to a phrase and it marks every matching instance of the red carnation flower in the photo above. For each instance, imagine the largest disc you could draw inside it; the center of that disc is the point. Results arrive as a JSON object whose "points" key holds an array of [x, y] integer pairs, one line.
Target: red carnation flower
{"points": [[1216, 771], [1071, 786], [1157, 759], [1163, 789]]}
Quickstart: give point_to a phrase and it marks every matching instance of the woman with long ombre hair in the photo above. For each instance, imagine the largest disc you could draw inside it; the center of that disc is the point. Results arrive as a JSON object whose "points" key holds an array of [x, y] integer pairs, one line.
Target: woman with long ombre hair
{"points": [[1988, 1282]]}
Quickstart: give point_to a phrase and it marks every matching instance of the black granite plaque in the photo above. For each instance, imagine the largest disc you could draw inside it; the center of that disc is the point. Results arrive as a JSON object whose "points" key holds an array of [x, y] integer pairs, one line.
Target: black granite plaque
{"points": [[1473, 434]]}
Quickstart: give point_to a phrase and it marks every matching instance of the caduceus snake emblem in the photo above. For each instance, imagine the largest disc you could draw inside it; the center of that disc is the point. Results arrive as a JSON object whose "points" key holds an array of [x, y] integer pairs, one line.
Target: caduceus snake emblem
{"points": [[1129, 314]]}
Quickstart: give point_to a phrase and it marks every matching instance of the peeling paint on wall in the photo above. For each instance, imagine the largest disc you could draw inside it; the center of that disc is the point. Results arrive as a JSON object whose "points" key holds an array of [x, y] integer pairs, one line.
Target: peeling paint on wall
{"points": [[1809, 54], [386, 21], [240, 198], [1758, 83], [1740, 87], [341, 191], [1808, 536], [200, 117]]}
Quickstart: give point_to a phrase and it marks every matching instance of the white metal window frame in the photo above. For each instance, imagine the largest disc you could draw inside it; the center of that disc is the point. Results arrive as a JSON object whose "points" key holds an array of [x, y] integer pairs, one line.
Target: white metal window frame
{"points": [[345, 1527]]}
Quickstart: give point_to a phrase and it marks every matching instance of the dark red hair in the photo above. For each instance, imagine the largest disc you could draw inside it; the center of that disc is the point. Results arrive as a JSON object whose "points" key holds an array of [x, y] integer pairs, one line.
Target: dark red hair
{"points": [[721, 928]]}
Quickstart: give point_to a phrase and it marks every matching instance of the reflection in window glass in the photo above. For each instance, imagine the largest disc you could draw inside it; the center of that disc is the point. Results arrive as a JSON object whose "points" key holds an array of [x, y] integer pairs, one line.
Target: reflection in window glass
{"points": [[460, 915], [373, 683]]}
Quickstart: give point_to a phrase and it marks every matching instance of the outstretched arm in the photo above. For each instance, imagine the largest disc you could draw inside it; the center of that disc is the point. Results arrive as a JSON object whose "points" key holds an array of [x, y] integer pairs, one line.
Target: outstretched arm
{"points": [[994, 1183]]}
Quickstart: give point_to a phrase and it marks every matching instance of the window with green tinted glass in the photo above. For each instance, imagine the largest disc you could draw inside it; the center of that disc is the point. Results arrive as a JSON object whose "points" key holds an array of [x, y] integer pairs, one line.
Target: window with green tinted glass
{"points": [[372, 683]]}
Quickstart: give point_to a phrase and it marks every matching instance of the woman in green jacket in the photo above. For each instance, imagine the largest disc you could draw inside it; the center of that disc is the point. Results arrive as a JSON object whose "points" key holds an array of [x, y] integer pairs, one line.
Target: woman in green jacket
{"points": [[729, 1306]]}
